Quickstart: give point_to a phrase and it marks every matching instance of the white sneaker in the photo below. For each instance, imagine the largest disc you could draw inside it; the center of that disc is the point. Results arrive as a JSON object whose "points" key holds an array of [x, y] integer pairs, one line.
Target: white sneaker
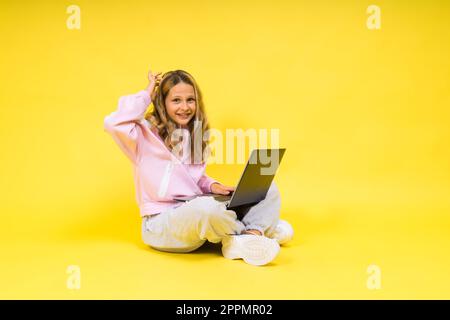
{"points": [[283, 232], [255, 250]]}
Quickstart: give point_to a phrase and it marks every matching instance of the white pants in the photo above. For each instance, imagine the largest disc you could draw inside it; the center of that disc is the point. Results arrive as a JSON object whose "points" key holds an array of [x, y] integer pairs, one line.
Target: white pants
{"points": [[189, 226]]}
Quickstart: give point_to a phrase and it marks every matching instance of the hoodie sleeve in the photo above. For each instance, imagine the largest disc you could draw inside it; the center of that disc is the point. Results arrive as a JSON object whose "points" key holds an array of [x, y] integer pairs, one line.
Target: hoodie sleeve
{"points": [[123, 124], [205, 183]]}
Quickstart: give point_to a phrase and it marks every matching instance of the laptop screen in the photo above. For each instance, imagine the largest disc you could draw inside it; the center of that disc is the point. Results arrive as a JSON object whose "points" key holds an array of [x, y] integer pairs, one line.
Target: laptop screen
{"points": [[257, 176]]}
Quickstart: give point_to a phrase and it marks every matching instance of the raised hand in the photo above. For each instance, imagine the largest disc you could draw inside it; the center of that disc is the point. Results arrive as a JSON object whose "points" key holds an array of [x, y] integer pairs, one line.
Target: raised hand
{"points": [[153, 82]]}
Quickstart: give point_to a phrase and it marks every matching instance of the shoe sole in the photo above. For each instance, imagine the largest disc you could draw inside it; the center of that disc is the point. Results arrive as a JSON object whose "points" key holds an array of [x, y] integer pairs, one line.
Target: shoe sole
{"points": [[256, 250]]}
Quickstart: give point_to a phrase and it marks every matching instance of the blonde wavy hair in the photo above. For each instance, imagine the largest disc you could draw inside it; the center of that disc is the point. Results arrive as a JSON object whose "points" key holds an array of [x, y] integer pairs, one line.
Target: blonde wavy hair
{"points": [[159, 118]]}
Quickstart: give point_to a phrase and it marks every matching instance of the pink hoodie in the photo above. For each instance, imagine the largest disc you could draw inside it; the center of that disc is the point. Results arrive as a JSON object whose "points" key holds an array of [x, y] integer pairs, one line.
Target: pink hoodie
{"points": [[158, 174]]}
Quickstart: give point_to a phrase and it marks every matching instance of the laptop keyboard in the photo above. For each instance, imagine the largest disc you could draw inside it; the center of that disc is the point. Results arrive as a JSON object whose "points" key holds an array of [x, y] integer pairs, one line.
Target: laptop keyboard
{"points": [[220, 197]]}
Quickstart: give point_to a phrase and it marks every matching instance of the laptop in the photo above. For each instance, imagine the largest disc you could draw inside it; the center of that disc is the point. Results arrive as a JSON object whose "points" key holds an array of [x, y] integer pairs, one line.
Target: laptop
{"points": [[253, 184]]}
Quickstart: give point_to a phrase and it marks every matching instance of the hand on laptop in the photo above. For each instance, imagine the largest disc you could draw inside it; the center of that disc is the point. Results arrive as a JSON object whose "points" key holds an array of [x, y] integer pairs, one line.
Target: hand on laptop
{"points": [[218, 188]]}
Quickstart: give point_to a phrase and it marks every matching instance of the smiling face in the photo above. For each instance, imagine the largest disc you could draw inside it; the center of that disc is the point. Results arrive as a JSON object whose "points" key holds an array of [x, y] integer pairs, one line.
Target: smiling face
{"points": [[180, 104]]}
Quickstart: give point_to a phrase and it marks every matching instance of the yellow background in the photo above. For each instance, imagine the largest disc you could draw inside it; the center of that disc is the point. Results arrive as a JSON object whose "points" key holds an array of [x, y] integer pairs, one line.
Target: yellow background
{"points": [[364, 115]]}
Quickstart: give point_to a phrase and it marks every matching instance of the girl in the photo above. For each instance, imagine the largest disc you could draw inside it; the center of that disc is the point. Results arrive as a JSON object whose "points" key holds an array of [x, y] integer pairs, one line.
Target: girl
{"points": [[160, 174]]}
